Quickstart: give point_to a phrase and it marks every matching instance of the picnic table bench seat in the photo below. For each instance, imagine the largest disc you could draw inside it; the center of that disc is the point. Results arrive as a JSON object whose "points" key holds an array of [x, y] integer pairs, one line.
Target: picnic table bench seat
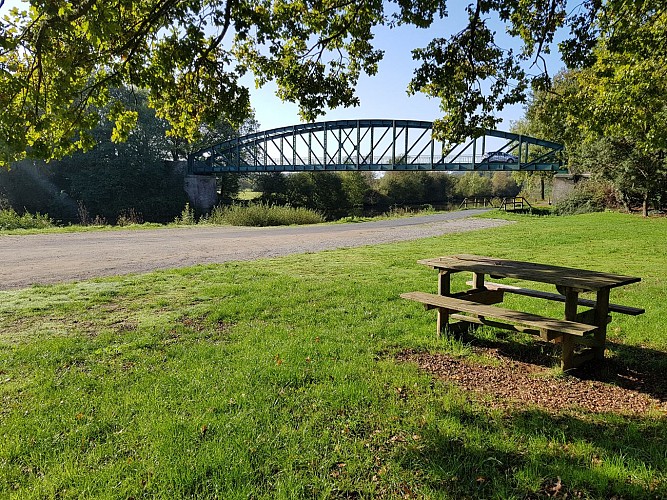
{"points": [[632, 311], [546, 328]]}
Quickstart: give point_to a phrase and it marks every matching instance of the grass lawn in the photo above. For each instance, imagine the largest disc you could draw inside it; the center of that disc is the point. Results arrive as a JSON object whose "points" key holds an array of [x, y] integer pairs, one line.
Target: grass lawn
{"points": [[247, 195], [278, 379]]}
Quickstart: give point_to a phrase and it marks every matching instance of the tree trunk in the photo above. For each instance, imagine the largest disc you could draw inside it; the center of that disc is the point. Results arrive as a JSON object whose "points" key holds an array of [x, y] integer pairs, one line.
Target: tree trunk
{"points": [[645, 206], [542, 187]]}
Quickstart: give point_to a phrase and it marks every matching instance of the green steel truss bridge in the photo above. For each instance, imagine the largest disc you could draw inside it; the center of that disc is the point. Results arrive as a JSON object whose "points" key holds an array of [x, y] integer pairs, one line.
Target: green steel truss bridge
{"points": [[377, 145]]}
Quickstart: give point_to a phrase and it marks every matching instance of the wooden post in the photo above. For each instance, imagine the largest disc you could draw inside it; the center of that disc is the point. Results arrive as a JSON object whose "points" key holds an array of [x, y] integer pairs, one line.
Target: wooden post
{"points": [[601, 313], [567, 356], [478, 280], [444, 288]]}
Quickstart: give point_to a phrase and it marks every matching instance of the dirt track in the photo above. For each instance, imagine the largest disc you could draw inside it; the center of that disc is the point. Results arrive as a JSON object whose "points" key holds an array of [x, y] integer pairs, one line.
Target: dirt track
{"points": [[56, 258]]}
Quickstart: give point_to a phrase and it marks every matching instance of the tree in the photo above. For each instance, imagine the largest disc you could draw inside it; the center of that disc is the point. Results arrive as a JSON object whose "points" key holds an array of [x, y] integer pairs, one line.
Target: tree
{"points": [[611, 112], [402, 188], [438, 186], [413, 188], [639, 177], [473, 184], [357, 187], [328, 195], [621, 94], [273, 186], [503, 185], [29, 187], [59, 58], [113, 178]]}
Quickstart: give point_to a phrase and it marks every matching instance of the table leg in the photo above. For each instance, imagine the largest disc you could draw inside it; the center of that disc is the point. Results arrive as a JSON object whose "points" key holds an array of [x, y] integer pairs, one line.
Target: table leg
{"points": [[567, 356], [601, 313], [478, 280], [444, 288]]}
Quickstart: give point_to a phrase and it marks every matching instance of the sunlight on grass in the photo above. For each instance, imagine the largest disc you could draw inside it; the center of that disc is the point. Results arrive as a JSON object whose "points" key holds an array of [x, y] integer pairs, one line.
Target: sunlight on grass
{"points": [[277, 379]]}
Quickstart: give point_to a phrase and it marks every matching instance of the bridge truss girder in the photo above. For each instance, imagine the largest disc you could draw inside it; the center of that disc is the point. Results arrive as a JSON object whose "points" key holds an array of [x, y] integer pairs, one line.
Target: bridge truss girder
{"points": [[370, 145]]}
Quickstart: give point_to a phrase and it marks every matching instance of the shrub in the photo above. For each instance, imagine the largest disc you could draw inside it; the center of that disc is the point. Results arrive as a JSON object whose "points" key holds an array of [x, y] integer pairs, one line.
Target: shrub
{"points": [[581, 201], [129, 217], [187, 217], [397, 211], [10, 219], [261, 214]]}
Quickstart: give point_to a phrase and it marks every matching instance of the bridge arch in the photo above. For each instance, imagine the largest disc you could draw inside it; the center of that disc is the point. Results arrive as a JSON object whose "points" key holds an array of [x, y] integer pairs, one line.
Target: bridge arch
{"points": [[372, 145]]}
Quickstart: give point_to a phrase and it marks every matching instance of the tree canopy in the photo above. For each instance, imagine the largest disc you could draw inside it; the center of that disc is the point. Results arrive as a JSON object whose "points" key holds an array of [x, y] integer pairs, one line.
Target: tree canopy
{"points": [[611, 112], [59, 58]]}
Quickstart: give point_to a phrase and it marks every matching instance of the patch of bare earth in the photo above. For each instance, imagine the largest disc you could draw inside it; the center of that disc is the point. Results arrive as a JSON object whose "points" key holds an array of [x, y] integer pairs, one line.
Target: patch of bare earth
{"points": [[509, 382]]}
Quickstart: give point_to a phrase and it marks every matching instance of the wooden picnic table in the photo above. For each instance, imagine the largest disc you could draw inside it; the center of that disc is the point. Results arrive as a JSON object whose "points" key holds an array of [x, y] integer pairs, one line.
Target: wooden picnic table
{"points": [[477, 302]]}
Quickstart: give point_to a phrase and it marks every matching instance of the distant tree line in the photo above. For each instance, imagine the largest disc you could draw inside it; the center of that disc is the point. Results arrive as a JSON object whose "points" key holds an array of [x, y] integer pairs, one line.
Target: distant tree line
{"points": [[354, 193], [122, 187]]}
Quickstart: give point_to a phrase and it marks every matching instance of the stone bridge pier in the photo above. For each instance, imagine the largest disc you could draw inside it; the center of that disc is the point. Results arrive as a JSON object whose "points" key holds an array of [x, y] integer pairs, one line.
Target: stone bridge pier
{"points": [[201, 189]]}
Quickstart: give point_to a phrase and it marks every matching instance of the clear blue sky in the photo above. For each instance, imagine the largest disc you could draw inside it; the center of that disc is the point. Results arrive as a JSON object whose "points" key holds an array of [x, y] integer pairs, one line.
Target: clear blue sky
{"points": [[384, 95]]}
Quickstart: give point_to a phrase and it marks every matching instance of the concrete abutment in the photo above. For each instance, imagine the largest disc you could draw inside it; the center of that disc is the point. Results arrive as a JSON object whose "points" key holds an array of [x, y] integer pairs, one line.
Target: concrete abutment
{"points": [[202, 190]]}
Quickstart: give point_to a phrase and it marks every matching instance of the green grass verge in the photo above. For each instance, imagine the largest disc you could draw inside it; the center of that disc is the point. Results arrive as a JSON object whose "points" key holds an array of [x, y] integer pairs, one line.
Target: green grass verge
{"points": [[275, 379], [247, 195]]}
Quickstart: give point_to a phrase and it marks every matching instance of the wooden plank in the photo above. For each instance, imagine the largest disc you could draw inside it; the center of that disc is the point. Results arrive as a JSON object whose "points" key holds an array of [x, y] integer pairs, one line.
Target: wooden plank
{"points": [[632, 311], [478, 280], [580, 279], [495, 324], [601, 313], [539, 322]]}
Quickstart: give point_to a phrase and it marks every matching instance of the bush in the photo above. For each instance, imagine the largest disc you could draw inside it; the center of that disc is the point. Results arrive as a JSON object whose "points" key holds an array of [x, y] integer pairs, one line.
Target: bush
{"points": [[397, 211], [129, 217], [263, 215], [10, 219], [581, 201], [187, 217]]}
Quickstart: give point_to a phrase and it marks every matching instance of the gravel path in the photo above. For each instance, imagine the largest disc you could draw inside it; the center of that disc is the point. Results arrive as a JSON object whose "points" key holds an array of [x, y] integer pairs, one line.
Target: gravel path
{"points": [[56, 258]]}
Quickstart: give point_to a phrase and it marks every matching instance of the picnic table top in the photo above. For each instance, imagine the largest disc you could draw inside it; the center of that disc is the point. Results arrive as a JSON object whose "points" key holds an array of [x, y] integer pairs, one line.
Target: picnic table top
{"points": [[580, 279]]}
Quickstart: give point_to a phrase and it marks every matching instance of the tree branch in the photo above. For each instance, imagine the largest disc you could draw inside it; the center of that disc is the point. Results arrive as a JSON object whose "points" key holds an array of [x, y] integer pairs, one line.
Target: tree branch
{"points": [[215, 43]]}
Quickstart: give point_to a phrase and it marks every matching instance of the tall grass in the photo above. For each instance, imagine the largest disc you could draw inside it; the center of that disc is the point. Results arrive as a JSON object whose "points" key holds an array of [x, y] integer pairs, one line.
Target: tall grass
{"points": [[262, 214], [10, 219], [187, 217]]}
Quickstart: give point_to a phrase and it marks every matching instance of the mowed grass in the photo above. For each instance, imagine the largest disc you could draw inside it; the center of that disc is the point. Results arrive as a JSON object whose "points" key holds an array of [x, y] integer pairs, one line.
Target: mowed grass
{"points": [[276, 379]]}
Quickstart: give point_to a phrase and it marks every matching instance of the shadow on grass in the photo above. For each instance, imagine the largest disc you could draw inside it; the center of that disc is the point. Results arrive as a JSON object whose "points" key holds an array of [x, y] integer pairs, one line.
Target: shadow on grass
{"points": [[534, 454], [637, 368]]}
